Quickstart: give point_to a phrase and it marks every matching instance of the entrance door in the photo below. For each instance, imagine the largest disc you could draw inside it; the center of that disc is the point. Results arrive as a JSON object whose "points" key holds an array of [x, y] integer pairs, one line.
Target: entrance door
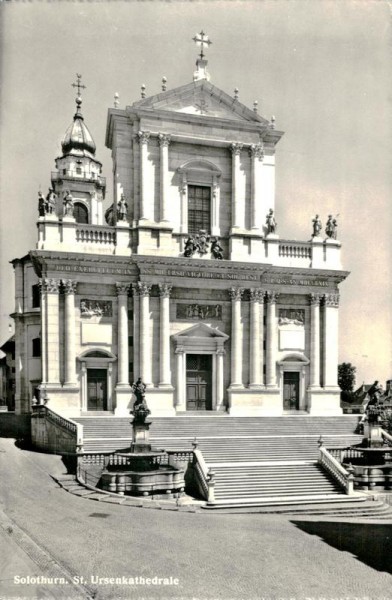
{"points": [[198, 382], [291, 390], [96, 389]]}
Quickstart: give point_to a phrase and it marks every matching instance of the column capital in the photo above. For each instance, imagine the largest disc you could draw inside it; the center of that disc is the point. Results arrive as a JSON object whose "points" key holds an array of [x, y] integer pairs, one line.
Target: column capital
{"points": [[256, 151], [271, 297], [122, 288], [69, 286], [331, 300], [256, 295], [143, 137], [236, 148], [164, 139], [144, 289], [165, 290], [315, 299], [221, 352], [236, 293], [51, 286]]}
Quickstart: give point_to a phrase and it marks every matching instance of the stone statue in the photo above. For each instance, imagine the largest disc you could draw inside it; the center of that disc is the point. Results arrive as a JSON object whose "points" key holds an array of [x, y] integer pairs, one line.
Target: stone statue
{"points": [[68, 204], [329, 227], [317, 226], [335, 229], [271, 223], [140, 409], [122, 209], [190, 246], [50, 202], [41, 205], [216, 249]]}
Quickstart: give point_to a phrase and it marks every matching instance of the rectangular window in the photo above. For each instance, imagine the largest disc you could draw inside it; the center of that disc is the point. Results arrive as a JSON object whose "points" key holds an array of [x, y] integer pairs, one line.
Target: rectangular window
{"points": [[199, 209], [36, 296], [36, 347], [78, 170]]}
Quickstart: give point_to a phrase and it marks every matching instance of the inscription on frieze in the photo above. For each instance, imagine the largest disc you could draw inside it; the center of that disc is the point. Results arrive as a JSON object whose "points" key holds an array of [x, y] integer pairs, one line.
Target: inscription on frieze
{"points": [[199, 311], [95, 308], [294, 316]]}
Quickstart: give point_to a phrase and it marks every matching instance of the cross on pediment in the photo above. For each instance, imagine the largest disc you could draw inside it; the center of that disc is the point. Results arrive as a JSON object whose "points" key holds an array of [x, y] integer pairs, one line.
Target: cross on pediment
{"points": [[78, 84], [201, 39], [202, 106]]}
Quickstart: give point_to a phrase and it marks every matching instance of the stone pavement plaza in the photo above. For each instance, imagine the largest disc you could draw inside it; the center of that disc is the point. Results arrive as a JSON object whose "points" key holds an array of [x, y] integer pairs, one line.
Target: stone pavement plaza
{"points": [[47, 532]]}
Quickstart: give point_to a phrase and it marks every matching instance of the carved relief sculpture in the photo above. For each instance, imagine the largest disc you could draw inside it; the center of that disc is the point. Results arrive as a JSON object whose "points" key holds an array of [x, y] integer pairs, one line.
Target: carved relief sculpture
{"points": [[199, 311], [291, 316], [202, 242], [95, 308]]}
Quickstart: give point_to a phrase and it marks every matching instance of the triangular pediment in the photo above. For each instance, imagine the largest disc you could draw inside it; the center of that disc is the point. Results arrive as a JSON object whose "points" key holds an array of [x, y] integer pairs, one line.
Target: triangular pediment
{"points": [[200, 98], [201, 330]]}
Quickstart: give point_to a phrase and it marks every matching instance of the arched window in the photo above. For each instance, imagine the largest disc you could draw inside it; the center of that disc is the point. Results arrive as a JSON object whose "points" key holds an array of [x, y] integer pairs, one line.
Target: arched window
{"points": [[80, 213]]}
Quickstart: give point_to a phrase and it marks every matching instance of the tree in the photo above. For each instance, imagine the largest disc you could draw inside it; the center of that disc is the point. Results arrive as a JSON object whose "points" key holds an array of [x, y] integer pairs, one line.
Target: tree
{"points": [[346, 377]]}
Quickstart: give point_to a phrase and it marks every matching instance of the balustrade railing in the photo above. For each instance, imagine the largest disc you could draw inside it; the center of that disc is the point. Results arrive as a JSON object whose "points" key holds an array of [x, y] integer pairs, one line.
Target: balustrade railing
{"points": [[344, 478], [59, 175], [205, 477], [295, 250], [95, 234], [64, 424], [387, 437]]}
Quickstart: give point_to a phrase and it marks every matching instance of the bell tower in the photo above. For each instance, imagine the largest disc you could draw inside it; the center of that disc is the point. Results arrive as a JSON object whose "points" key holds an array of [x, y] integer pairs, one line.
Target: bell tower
{"points": [[78, 171]]}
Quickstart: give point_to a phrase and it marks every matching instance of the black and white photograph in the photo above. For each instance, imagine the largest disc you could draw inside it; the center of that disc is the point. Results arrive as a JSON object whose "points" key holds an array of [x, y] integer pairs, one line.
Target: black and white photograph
{"points": [[195, 300]]}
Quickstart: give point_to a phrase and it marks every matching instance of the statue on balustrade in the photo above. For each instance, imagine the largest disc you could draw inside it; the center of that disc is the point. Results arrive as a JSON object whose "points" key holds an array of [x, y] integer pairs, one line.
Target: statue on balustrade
{"points": [[41, 205], [140, 410], [190, 247], [317, 226], [122, 209], [216, 249], [271, 223], [50, 202], [68, 204], [331, 228]]}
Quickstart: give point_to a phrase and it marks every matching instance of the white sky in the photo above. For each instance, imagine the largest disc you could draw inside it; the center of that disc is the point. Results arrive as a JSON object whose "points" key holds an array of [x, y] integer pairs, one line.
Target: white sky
{"points": [[322, 67]]}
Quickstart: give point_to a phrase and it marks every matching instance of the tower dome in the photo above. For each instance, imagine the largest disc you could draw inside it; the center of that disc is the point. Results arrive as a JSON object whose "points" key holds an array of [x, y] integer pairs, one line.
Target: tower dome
{"points": [[78, 139]]}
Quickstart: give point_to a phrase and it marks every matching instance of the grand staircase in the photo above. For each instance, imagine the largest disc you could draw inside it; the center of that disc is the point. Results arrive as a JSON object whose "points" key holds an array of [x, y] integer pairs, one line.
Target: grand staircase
{"points": [[256, 460]]}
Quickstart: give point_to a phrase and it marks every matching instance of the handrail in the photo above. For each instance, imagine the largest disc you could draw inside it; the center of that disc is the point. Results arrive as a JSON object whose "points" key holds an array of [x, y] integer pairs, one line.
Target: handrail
{"points": [[205, 476], [66, 423], [338, 472], [386, 435]]}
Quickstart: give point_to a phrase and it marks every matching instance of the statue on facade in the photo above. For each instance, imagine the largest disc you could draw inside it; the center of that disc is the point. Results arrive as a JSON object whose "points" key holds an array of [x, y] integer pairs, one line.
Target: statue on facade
{"points": [[317, 226], [140, 409], [202, 241], [190, 246], [122, 209], [50, 202], [271, 223], [216, 249], [68, 204], [41, 205]]}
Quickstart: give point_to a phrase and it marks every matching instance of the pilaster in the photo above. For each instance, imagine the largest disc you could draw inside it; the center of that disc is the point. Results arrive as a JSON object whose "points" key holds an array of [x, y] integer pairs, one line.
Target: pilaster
{"points": [[69, 288], [330, 341], [123, 388], [236, 220], [145, 364], [315, 300], [164, 335], [164, 141], [236, 337], [51, 288], [256, 153], [271, 298], [145, 202], [256, 339]]}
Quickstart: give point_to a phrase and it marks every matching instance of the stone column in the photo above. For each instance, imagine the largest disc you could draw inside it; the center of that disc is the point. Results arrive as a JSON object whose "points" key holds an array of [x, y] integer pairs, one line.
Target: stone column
{"points": [[315, 340], [145, 202], [123, 353], [145, 365], [330, 339], [44, 340], [164, 141], [164, 335], [219, 379], [215, 228], [136, 331], [256, 154], [184, 204], [180, 368], [236, 337], [272, 342], [256, 339], [51, 289], [69, 288], [236, 153]]}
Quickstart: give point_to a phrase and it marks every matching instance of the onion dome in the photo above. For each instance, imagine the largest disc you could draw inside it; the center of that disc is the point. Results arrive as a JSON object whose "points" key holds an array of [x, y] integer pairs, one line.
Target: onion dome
{"points": [[78, 139]]}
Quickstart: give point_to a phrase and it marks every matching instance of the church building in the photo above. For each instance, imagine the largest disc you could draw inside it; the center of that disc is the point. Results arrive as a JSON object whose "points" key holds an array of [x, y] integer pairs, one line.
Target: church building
{"points": [[184, 280]]}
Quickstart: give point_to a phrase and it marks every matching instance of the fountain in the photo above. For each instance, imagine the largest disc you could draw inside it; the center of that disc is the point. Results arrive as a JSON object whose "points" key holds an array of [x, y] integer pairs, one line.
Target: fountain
{"points": [[141, 469], [371, 461]]}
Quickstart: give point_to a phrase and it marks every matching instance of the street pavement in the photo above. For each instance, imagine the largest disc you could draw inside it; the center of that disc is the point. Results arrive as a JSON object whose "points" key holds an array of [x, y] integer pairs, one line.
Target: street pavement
{"points": [[159, 554]]}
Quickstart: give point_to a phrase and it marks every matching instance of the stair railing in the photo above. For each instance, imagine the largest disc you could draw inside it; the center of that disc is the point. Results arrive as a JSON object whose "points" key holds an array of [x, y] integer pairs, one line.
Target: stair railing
{"points": [[205, 478], [386, 436], [66, 437], [344, 477]]}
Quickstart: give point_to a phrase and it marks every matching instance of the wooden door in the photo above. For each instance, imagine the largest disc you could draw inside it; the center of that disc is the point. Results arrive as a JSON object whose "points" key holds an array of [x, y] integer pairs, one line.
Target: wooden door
{"points": [[96, 389], [198, 382], [291, 390]]}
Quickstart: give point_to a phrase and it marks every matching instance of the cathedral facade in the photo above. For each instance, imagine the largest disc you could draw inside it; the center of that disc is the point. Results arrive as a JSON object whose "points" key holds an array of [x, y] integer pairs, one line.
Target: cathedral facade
{"points": [[184, 280]]}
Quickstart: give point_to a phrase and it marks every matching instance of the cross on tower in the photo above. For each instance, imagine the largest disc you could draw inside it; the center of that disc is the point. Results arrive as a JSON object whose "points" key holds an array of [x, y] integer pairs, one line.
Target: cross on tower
{"points": [[78, 84], [201, 39]]}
